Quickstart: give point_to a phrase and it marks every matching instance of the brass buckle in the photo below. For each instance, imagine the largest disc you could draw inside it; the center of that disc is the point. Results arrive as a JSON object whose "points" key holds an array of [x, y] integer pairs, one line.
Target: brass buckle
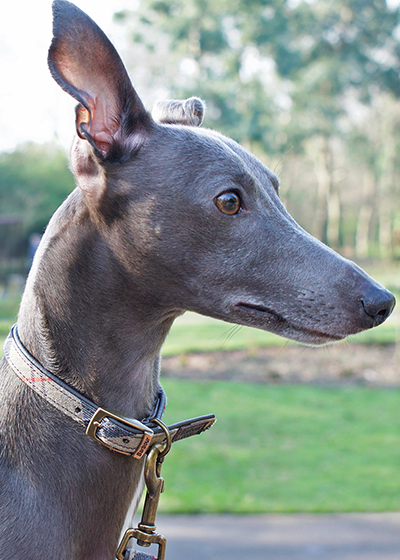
{"points": [[101, 413], [144, 539]]}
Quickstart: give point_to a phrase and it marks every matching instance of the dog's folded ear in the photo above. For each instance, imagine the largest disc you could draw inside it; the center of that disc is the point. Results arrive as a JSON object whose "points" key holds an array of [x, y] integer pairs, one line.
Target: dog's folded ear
{"points": [[189, 112], [86, 65]]}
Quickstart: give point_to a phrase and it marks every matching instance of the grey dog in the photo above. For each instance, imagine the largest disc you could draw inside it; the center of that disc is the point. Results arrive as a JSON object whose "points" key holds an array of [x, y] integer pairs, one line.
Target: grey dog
{"points": [[166, 217]]}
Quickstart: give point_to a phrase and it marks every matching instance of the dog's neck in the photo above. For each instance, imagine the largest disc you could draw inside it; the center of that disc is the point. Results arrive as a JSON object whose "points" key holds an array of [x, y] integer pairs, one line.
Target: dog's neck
{"points": [[92, 329], [84, 320]]}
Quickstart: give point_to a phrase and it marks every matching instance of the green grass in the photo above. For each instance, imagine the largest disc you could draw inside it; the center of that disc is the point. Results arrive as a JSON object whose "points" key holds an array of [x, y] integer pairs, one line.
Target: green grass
{"points": [[277, 448], [284, 449], [195, 333], [8, 315]]}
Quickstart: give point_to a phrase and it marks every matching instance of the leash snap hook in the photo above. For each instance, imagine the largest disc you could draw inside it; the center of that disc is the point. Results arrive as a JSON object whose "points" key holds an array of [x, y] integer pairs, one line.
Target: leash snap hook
{"points": [[124, 553], [145, 534]]}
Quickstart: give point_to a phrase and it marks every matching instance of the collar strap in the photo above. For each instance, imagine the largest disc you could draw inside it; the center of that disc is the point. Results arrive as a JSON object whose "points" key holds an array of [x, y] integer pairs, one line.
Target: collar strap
{"points": [[124, 435]]}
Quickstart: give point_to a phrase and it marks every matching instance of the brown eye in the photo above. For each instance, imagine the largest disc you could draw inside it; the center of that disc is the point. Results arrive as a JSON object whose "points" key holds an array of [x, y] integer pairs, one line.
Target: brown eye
{"points": [[228, 203]]}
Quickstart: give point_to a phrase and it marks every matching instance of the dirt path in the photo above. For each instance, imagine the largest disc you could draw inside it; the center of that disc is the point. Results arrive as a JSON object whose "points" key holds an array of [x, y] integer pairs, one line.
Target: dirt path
{"points": [[340, 364]]}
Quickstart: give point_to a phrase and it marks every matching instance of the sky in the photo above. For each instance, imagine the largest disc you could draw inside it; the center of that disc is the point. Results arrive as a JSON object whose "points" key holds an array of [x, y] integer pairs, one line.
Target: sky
{"points": [[32, 105]]}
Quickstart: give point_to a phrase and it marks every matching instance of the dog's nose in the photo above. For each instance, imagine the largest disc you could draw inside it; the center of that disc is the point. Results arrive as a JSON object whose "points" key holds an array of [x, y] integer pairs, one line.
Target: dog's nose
{"points": [[378, 304]]}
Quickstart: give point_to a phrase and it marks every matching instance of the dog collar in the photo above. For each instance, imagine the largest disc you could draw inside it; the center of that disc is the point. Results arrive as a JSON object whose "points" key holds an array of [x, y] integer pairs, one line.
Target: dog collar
{"points": [[124, 435]]}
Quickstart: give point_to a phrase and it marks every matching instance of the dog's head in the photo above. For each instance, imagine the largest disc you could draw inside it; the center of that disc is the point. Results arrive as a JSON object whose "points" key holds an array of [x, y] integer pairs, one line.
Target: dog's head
{"points": [[194, 218]]}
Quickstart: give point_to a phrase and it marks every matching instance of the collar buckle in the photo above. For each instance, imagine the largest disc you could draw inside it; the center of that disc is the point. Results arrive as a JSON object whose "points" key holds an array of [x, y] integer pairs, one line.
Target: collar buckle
{"points": [[101, 413]]}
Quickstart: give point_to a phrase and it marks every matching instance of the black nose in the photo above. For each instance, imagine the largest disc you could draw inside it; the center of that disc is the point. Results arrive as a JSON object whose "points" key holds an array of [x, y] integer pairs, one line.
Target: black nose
{"points": [[378, 304]]}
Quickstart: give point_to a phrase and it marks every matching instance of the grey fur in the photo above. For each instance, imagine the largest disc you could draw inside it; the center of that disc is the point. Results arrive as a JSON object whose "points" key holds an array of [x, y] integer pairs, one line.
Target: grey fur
{"points": [[189, 112], [138, 242]]}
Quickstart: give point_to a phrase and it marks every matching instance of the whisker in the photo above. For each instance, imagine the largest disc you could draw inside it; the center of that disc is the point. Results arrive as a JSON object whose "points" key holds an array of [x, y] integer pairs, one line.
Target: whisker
{"points": [[225, 332], [302, 349], [280, 162], [282, 348], [230, 333]]}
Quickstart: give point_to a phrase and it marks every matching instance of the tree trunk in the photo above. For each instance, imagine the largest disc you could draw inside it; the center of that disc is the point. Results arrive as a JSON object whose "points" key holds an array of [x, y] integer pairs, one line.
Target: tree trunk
{"points": [[328, 208], [320, 157], [385, 228], [363, 231]]}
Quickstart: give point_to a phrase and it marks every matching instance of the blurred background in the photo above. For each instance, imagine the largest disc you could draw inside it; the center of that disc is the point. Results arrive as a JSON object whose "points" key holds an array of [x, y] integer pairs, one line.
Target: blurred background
{"points": [[313, 89]]}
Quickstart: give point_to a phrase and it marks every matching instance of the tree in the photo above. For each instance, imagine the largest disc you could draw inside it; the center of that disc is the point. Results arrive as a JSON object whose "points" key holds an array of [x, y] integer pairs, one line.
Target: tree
{"points": [[279, 76], [34, 180]]}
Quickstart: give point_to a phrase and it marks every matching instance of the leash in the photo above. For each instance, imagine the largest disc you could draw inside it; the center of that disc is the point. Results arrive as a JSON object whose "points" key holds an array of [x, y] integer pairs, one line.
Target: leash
{"points": [[145, 533], [148, 437]]}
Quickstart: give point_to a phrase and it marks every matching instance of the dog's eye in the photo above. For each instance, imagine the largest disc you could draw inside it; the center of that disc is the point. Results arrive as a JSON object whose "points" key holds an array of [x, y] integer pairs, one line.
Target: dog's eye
{"points": [[228, 203]]}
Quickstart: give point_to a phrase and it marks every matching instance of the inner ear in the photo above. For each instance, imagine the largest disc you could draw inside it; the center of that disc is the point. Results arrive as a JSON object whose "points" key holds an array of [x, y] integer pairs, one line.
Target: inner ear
{"points": [[189, 112], [86, 65]]}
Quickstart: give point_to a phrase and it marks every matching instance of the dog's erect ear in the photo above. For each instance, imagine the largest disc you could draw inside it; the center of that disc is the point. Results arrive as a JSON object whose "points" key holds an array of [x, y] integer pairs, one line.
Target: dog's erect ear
{"points": [[86, 65], [189, 112]]}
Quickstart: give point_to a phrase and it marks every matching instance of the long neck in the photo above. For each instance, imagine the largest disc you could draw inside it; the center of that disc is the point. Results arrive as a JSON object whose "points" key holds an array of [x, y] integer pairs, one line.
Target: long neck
{"points": [[87, 320]]}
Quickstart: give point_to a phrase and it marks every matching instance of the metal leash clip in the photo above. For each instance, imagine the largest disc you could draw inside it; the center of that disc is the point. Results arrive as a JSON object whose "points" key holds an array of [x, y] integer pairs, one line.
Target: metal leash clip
{"points": [[145, 534]]}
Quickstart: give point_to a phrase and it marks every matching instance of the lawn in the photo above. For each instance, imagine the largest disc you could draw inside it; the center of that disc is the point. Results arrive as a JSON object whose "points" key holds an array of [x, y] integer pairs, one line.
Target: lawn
{"points": [[8, 314], [277, 448], [284, 448]]}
